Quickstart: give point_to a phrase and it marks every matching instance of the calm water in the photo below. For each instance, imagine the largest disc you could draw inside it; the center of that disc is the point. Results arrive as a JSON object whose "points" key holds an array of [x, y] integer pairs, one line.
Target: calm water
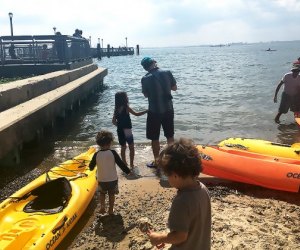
{"points": [[222, 92]]}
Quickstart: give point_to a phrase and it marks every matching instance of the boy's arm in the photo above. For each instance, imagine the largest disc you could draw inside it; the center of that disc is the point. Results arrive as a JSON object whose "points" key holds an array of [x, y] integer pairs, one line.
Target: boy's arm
{"points": [[173, 238], [93, 162], [277, 89], [120, 163], [131, 111]]}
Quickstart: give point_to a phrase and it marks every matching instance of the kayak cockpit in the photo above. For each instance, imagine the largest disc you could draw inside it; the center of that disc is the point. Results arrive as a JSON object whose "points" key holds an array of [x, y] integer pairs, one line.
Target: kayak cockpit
{"points": [[51, 197]]}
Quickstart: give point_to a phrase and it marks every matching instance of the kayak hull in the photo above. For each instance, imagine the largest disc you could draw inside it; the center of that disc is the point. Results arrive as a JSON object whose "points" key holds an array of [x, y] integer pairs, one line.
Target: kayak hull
{"points": [[263, 147], [266, 171], [22, 227]]}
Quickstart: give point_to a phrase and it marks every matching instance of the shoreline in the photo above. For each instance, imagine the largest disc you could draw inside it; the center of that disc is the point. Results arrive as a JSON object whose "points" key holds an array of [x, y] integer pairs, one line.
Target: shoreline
{"points": [[243, 217]]}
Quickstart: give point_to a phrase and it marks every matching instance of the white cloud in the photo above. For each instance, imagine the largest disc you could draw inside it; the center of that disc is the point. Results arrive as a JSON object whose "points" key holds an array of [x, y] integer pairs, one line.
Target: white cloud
{"points": [[155, 22], [290, 5], [170, 21]]}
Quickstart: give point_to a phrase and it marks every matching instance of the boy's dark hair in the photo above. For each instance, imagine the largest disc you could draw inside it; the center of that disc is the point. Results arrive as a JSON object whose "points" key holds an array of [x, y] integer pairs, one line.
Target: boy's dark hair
{"points": [[181, 158], [104, 137]]}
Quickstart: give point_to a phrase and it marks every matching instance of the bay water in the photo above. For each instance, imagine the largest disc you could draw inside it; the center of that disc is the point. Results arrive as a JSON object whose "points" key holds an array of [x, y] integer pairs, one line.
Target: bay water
{"points": [[224, 91]]}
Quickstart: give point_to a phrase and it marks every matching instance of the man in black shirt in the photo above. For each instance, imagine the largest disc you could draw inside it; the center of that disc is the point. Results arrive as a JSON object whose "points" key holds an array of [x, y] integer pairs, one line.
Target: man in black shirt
{"points": [[156, 86]]}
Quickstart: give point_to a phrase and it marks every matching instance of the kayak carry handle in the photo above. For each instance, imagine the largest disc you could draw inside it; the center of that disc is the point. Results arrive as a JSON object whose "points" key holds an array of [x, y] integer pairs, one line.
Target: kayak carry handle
{"points": [[60, 226]]}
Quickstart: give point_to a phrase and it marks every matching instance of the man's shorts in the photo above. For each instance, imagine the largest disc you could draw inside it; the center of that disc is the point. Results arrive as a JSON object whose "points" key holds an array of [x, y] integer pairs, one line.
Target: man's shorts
{"points": [[125, 135], [287, 102], [155, 121], [110, 187]]}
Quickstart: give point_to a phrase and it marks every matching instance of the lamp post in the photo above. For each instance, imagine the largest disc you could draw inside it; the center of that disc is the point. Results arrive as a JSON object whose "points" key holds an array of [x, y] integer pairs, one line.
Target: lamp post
{"points": [[11, 25], [54, 29], [126, 42]]}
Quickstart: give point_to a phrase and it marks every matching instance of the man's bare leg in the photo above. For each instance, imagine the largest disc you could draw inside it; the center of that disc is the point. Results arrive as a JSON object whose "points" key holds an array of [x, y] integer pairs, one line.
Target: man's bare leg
{"points": [[170, 140], [277, 117], [131, 155], [155, 149]]}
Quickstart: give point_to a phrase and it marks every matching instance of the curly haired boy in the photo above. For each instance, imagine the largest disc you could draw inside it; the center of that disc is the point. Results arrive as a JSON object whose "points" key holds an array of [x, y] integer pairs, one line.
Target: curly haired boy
{"points": [[190, 214]]}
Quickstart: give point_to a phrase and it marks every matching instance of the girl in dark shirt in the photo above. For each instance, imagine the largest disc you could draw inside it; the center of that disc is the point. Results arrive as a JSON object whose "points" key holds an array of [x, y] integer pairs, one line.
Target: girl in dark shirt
{"points": [[122, 120]]}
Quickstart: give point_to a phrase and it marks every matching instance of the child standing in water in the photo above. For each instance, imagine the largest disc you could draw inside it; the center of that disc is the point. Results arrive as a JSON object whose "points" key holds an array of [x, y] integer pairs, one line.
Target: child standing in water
{"points": [[122, 120], [105, 160]]}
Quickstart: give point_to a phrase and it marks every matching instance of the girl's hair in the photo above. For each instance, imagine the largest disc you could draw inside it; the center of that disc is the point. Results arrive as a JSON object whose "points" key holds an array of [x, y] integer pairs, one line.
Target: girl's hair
{"points": [[181, 158], [104, 138], [121, 100]]}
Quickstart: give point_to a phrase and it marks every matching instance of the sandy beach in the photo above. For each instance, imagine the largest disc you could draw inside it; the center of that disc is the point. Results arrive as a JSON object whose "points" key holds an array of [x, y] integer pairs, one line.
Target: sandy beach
{"points": [[243, 217]]}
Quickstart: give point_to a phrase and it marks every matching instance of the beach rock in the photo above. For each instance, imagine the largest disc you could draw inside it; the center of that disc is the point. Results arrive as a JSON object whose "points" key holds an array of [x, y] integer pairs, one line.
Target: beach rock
{"points": [[144, 224]]}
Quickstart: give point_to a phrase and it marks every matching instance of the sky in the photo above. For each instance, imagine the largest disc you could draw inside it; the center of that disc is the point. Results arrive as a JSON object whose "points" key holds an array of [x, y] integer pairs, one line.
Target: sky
{"points": [[156, 23]]}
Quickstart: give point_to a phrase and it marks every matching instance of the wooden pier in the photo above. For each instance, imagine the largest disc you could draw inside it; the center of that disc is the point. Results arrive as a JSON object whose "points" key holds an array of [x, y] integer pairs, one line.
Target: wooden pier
{"points": [[111, 51]]}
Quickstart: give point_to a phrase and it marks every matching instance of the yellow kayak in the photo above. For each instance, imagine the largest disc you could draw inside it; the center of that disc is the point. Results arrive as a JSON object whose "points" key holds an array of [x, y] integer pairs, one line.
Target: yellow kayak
{"points": [[41, 214], [263, 147]]}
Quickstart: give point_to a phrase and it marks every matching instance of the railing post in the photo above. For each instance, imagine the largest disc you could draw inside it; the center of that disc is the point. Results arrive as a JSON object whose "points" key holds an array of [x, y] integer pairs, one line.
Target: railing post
{"points": [[108, 50], [66, 52], [99, 51], [2, 51], [34, 50]]}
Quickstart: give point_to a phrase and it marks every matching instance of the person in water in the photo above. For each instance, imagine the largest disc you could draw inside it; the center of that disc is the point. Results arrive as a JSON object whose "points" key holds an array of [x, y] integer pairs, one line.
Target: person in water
{"points": [[157, 85], [121, 119], [291, 92], [190, 213], [105, 160]]}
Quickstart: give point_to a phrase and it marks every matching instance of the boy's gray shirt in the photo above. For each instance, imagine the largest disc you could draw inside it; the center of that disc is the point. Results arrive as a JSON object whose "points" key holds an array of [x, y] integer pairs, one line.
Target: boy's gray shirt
{"points": [[191, 212]]}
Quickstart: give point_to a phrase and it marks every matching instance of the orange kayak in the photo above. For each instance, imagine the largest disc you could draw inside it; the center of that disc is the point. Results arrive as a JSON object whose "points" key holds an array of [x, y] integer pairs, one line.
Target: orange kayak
{"points": [[252, 168]]}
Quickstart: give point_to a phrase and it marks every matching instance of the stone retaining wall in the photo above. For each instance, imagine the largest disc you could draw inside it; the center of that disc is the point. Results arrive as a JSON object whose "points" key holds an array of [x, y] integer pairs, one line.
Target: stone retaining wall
{"points": [[14, 93], [60, 92]]}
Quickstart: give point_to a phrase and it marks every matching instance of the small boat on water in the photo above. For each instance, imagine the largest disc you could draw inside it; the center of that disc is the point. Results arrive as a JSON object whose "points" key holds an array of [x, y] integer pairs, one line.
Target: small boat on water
{"points": [[263, 147], [269, 49], [42, 213], [252, 168]]}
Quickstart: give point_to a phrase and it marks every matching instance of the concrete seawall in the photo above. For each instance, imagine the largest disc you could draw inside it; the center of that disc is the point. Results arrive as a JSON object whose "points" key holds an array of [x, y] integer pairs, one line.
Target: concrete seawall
{"points": [[20, 91], [36, 102]]}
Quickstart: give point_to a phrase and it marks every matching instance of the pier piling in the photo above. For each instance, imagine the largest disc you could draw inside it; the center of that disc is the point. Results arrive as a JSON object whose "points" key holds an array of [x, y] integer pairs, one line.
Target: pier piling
{"points": [[99, 51], [108, 50]]}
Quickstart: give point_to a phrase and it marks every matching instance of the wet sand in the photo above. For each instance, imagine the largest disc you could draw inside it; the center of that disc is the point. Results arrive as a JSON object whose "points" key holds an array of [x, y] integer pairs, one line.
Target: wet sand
{"points": [[243, 217]]}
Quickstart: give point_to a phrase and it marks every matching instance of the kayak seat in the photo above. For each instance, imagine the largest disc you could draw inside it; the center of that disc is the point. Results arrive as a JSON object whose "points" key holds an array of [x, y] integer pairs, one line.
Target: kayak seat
{"points": [[51, 197]]}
